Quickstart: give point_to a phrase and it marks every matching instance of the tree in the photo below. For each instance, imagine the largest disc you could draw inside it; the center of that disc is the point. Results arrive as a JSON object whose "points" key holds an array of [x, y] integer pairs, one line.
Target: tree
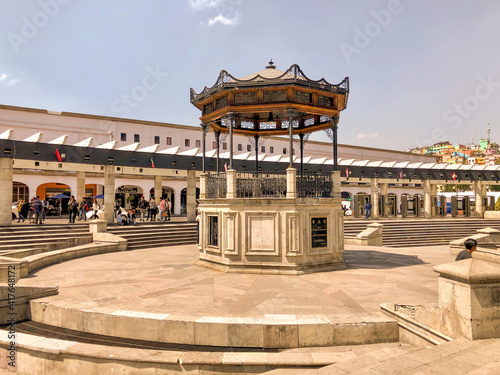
{"points": [[494, 187]]}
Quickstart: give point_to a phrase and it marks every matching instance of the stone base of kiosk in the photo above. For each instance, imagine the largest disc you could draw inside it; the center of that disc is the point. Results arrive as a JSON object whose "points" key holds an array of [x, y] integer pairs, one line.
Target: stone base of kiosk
{"points": [[272, 236]]}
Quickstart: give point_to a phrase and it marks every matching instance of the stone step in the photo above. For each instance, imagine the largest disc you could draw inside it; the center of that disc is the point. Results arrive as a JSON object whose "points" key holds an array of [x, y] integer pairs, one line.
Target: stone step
{"points": [[22, 253], [145, 245]]}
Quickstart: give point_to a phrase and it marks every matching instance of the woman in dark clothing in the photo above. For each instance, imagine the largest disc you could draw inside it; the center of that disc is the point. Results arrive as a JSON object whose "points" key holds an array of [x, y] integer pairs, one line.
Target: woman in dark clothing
{"points": [[25, 209]]}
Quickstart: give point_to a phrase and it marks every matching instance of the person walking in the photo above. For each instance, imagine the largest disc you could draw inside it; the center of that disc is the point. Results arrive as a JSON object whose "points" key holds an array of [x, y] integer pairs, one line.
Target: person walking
{"points": [[19, 211], [73, 209], [143, 207], [95, 207], [152, 209], [38, 208], [162, 207], [83, 210], [169, 208], [368, 208]]}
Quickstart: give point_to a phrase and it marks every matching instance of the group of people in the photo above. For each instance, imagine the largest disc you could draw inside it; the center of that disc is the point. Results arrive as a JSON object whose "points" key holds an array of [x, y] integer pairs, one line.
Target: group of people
{"points": [[35, 211], [150, 210], [81, 209]]}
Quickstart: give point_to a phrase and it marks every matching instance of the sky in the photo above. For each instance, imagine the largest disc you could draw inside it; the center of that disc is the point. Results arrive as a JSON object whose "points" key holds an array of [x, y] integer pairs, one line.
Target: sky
{"points": [[420, 71]]}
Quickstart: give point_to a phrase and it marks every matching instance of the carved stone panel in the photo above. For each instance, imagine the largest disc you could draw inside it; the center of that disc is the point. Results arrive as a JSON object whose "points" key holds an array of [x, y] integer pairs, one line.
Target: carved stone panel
{"points": [[230, 234], [262, 234]]}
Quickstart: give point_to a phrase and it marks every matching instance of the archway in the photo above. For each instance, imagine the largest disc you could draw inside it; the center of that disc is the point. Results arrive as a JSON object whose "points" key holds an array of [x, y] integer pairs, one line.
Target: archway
{"points": [[50, 189], [128, 196], [166, 192], [20, 191], [184, 199]]}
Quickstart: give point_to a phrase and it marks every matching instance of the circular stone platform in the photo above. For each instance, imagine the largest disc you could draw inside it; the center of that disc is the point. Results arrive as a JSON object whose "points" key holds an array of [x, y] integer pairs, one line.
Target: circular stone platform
{"points": [[185, 303]]}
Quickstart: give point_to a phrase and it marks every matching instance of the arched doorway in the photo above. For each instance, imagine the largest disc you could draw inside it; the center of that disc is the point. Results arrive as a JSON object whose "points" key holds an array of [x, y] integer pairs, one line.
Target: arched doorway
{"points": [[50, 189], [184, 199], [20, 191], [166, 192], [128, 196]]}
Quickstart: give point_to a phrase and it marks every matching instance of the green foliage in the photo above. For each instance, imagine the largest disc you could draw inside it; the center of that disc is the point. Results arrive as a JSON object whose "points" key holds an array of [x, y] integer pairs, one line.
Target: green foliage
{"points": [[494, 187], [497, 205]]}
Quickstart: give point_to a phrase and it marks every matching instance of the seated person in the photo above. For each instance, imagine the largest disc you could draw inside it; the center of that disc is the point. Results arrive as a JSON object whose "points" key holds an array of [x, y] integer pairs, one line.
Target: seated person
{"points": [[122, 216]]}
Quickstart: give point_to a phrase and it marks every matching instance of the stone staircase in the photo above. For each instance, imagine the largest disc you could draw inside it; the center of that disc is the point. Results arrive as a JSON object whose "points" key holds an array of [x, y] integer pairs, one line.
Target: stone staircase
{"points": [[155, 235], [421, 232], [25, 240]]}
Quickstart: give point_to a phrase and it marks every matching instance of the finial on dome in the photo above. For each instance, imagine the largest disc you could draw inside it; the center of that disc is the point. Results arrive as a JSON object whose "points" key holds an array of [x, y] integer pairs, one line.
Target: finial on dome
{"points": [[271, 65]]}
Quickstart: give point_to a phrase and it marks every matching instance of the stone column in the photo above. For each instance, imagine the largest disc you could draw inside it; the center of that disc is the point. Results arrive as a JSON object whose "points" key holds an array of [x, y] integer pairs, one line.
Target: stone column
{"points": [[231, 184], [478, 190], [109, 193], [80, 186], [191, 195], [6, 171], [374, 198], [203, 185], [384, 191], [291, 183], [468, 299], [158, 189], [336, 193], [427, 200]]}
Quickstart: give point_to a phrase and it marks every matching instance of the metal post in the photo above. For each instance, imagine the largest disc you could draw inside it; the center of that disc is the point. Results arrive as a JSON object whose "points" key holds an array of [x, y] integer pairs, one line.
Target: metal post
{"points": [[290, 132], [231, 124], [335, 154], [301, 136], [203, 146], [217, 140], [256, 139]]}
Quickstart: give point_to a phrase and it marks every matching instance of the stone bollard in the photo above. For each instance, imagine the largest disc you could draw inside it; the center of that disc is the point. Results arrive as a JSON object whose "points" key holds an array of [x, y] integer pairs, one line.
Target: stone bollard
{"points": [[371, 236], [98, 226], [469, 298]]}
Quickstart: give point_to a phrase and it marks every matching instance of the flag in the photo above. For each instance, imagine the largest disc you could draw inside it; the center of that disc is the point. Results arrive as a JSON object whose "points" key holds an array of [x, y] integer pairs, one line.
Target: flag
{"points": [[400, 174], [225, 166], [58, 155], [152, 163], [347, 172], [454, 176]]}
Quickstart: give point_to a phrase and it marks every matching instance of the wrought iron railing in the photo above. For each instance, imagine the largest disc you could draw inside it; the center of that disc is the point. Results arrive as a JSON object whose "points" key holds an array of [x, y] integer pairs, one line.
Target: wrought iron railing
{"points": [[270, 185], [216, 185], [314, 184], [261, 185]]}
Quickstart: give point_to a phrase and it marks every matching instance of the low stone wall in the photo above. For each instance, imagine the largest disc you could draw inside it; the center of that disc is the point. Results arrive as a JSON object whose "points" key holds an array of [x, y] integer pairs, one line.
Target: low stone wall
{"points": [[268, 331], [14, 301], [371, 236]]}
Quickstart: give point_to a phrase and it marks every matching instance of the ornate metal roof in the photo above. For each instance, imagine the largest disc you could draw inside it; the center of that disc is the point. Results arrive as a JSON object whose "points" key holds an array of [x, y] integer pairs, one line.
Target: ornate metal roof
{"points": [[270, 77]]}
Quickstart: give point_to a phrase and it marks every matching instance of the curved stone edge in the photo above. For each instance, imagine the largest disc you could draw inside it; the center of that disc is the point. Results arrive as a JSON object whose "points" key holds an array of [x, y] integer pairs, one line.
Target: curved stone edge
{"points": [[54, 356], [103, 243], [270, 331]]}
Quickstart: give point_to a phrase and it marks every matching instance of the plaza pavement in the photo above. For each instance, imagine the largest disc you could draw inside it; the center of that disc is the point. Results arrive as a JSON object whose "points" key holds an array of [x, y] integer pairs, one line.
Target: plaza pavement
{"points": [[167, 280]]}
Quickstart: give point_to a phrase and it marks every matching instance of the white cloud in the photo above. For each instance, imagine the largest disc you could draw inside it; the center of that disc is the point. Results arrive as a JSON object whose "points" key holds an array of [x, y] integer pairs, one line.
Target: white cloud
{"points": [[226, 10], [364, 135], [9, 82], [224, 20]]}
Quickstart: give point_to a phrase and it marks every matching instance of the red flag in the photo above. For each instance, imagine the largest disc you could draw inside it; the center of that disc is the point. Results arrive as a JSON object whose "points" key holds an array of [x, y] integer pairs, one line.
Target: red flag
{"points": [[152, 163], [400, 174], [58, 155], [454, 176], [347, 172]]}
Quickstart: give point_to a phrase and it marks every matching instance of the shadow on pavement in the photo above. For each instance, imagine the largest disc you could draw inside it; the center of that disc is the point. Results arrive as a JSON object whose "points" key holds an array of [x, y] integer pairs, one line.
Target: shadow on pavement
{"points": [[373, 259]]}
